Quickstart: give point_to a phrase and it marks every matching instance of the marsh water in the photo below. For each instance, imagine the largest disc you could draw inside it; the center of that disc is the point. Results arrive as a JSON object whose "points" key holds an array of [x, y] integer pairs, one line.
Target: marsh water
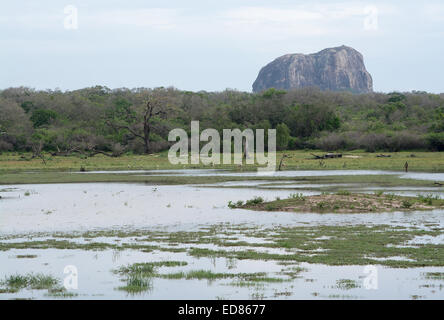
{"points": [[42, 212]]}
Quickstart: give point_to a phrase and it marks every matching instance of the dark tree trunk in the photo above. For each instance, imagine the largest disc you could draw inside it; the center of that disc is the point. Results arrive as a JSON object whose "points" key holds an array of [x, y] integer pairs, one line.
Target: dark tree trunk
{"points": [[146, 137], [147, 146]]}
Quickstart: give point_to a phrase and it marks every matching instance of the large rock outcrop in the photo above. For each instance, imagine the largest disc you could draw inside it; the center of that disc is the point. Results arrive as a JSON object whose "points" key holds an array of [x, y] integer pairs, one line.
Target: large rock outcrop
{"points": [[337, 69]]}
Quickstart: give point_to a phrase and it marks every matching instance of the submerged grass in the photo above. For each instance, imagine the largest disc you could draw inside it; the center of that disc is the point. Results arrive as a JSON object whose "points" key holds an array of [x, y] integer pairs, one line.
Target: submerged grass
{"points": [[60, 293], [39, 281], [26, 256], [136, 284], [210, 275], [321, 244], [148, 268], [347, 284], [138, 276], [433, 275], [31, 281], [341, 245]]}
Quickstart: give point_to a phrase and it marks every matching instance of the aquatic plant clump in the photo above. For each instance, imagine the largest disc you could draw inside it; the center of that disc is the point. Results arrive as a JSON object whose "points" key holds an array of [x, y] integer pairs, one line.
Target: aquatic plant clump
{"points": [[39, 281]]}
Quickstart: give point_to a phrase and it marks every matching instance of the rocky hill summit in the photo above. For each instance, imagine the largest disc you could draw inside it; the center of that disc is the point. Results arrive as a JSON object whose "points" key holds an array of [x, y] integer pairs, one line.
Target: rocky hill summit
{"points": [[336, 69]]}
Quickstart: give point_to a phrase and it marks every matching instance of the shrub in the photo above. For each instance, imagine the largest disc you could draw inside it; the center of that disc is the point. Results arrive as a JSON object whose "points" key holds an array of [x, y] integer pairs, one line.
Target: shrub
{"points": [[42, 117], [390, 196], [391, 142], [436, 141], [406, 204], [427, 199], [5, 146], [333, 141], [282, 136], [373, 142], [233, 205], [255, 200], [294, 143], [322, 204], [297, 196], [406, 141]]}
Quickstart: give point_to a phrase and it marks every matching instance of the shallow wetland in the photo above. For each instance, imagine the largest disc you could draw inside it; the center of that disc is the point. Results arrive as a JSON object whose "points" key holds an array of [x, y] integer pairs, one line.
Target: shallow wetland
{"points": [[172, 234]]}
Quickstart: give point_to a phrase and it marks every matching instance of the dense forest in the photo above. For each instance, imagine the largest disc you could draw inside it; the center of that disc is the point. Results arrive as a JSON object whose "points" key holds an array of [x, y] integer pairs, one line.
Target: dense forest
{"points": [[100, 120]]}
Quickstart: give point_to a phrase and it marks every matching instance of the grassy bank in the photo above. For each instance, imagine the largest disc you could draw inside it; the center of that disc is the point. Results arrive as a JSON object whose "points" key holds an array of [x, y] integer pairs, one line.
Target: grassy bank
{"points": [[330, 182], [344, 202], [297, 160]]}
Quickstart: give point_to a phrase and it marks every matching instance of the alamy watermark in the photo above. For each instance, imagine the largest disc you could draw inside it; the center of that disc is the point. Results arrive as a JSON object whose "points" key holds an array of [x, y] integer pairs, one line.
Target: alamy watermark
{"points": [[371, 279], [237, 146], [71, 21], [371, 18], [71, 281]]}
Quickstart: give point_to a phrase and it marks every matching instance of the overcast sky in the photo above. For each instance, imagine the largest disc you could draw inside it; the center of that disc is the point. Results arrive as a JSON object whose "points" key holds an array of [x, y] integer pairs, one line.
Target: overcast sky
{"points": [[212, 45]]}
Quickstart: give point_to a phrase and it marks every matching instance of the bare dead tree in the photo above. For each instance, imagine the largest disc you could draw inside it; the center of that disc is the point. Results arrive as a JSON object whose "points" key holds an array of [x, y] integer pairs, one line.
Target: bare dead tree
{"points": [[141, 129], [281, 163], [37, 151]]}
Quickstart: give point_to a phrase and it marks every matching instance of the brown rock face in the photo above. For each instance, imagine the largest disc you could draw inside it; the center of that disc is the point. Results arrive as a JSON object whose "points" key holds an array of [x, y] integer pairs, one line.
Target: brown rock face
{"points": [[337, 69]]}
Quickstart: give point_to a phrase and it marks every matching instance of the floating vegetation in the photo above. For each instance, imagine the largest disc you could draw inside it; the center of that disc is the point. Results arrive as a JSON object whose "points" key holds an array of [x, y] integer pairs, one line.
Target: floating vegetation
{"points": [[347, 284], [137, 284], [433, 275], [26, 256], [329, 245], [138, 276], [39, 281]]}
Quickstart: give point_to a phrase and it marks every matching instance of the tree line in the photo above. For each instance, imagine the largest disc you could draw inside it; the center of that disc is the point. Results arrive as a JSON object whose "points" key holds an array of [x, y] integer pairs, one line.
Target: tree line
{"points": [[116, 121]]}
